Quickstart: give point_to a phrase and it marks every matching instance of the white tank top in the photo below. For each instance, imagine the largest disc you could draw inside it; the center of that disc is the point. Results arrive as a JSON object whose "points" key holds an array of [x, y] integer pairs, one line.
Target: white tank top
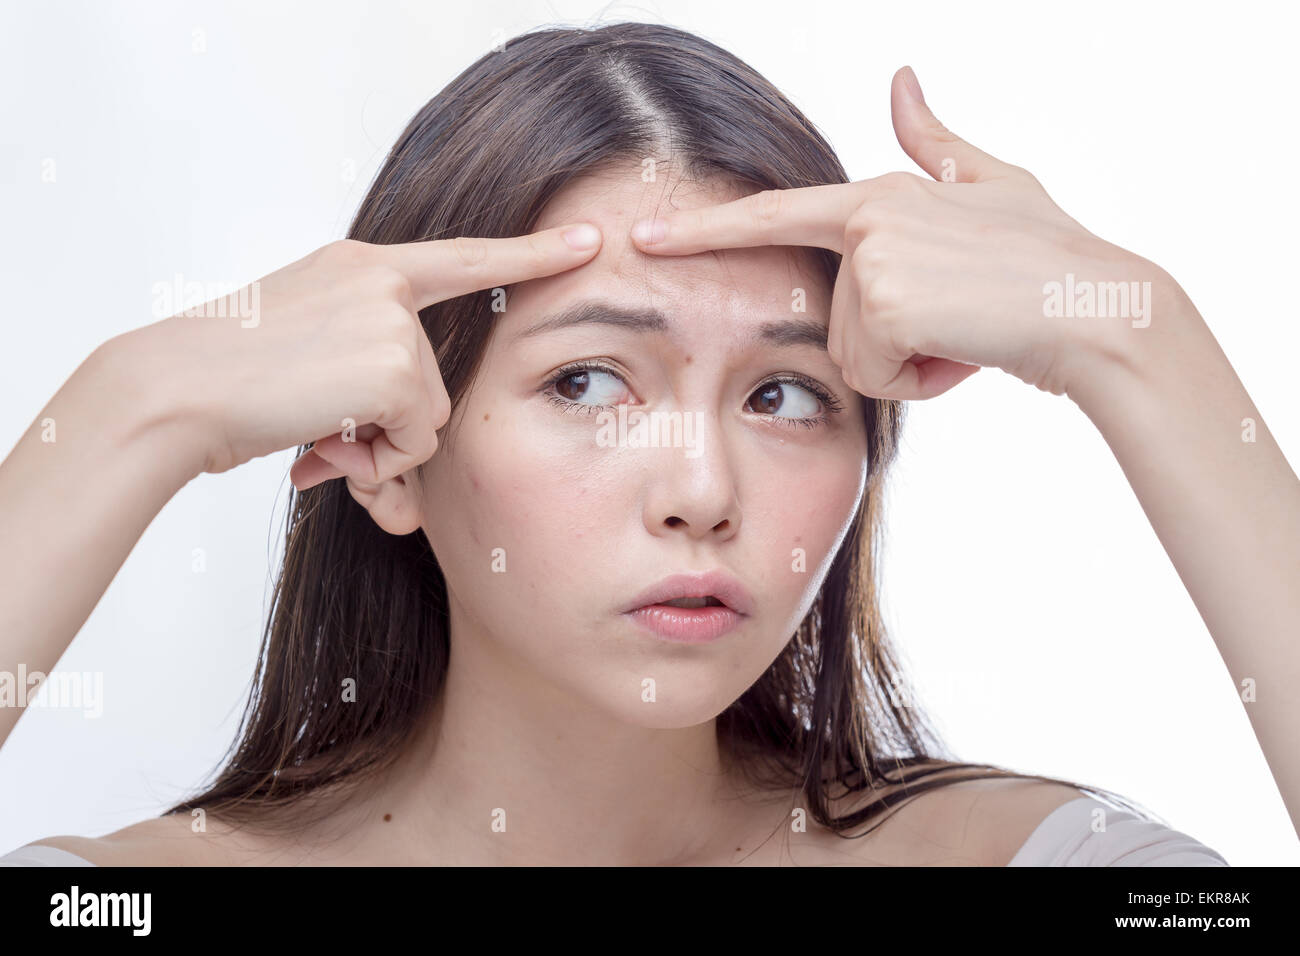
{"points": [[1089, 832]]}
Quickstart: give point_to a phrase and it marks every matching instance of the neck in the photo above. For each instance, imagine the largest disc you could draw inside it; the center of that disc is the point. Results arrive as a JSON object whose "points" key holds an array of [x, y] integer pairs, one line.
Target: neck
{"points": [[513, 770]]}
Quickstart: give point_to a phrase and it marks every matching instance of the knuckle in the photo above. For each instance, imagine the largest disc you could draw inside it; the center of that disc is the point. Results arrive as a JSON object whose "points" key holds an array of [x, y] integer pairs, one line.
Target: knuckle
{"points": [[394, 324], [430, 443], [899, 181], [765, 207], [879, 295], [941, 134], [470, 251], [398, 361], [833, 349], [1024, 175], [869, 255], [862, 222], [537, 253], [426, 445], [390, 284], [344, 252]]}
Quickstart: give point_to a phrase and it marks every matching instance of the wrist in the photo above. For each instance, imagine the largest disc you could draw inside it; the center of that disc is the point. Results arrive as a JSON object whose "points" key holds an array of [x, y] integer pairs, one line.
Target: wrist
{"points": [[1117, 354], [141, 386]]}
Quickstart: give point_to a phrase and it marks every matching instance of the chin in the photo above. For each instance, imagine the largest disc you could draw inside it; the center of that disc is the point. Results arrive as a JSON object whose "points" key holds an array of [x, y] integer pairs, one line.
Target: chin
{"points": [[664, 716], [677, 703]]}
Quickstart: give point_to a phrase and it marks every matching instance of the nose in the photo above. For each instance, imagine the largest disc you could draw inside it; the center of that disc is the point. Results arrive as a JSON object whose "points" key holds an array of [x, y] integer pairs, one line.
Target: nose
{"points": [[693, 490]]}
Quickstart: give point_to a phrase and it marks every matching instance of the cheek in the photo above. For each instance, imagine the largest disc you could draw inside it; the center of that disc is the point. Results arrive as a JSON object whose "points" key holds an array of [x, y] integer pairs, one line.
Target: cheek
{"points": [[800, 521], [528, 515], [532, 514], [815, 516]]}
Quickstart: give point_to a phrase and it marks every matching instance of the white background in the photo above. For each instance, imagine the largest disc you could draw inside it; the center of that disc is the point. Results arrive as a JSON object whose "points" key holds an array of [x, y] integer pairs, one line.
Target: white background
{"points": [[1033, 602]]}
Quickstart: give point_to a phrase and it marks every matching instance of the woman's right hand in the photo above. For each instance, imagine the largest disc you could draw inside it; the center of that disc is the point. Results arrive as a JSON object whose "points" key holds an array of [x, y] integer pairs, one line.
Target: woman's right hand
{"points": [[334, 346]]}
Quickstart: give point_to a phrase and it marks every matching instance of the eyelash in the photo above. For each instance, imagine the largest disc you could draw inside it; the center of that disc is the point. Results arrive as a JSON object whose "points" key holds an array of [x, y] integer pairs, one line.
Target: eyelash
{"points": [[829, 402]]}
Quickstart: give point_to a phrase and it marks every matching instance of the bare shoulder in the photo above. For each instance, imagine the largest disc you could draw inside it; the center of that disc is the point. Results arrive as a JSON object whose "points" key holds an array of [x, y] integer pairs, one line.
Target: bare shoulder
{"points": [[998, 815], [981, 822], [325, 827], [169, 841]]}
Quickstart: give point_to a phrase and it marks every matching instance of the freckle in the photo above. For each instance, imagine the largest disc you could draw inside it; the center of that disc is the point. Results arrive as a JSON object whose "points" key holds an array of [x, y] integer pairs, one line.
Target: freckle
{"points": [[688, 360], [387, 817], [486, 416]]}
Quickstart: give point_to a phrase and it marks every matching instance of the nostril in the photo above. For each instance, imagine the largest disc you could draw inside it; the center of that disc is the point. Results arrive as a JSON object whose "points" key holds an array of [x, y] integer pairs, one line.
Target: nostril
{"points": [[673, 521]]}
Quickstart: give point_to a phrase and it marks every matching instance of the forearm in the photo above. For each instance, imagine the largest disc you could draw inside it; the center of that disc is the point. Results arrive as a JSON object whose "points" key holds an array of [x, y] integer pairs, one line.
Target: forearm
{"points": [[1225, 505], [76, 492]]}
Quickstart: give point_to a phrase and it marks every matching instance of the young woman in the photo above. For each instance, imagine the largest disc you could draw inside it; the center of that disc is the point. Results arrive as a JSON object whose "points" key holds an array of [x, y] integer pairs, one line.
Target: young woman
{"points": [[511, 625]]}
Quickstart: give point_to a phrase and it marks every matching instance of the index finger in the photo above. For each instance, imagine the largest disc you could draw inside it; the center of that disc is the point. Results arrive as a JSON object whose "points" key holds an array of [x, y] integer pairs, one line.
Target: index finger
{"points": [[803, 216], [440, 269]]}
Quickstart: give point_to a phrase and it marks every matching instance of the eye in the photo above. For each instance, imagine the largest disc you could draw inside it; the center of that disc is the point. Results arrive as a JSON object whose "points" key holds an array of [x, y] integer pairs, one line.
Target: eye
{"points": [[788, 400], [793, 400], [587, 387]]}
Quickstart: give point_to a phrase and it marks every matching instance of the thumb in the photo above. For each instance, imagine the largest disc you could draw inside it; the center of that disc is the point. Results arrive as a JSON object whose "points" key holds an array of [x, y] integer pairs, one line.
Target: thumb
{"points": [[941, 153], [332, 457]]}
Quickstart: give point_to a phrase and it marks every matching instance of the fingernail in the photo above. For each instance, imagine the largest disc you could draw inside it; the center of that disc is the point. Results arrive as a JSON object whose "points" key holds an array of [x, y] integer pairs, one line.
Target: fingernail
{"points": [[913, 87], [649, 231], [582, 237]]}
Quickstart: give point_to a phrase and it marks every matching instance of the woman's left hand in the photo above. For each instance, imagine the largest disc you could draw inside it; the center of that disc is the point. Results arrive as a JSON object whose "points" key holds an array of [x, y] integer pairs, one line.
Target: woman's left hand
{"points": [[938, 278]]}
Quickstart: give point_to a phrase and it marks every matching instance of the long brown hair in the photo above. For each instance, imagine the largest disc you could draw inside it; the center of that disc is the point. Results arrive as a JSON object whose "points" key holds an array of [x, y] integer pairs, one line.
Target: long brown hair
{"points": [[833, 715]]}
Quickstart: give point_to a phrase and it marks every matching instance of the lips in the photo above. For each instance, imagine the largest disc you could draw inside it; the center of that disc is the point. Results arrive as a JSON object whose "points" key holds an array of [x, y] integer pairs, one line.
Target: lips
{"points": [[711, 588], [693, 602]]}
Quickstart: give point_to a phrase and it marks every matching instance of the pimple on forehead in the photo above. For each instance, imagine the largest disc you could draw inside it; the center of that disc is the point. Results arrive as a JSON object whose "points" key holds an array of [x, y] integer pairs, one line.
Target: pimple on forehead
{"points": [[733, 282], [620, 195]]}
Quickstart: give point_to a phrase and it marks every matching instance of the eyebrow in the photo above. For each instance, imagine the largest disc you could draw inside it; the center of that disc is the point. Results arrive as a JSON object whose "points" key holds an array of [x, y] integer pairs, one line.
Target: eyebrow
{"points": [[779, 332]]}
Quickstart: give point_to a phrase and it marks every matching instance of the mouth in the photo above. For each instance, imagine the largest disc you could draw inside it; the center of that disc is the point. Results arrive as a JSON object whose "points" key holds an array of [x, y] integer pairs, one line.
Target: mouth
{"points": [[691, 608], [709, 601]]}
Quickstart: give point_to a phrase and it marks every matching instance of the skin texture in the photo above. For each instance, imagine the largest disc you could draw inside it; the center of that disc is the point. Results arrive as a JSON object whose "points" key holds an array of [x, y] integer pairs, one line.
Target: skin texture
{"points": [[972, 823], [545, 670]]}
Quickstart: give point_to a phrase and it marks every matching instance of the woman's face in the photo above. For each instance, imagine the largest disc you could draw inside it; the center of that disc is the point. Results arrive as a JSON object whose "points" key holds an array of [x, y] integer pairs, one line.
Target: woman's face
{"points": [[548, 521]]}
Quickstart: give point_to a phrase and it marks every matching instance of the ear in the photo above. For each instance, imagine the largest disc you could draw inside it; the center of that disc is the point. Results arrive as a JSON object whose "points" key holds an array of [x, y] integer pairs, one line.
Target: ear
{"points": [[393, 504]]}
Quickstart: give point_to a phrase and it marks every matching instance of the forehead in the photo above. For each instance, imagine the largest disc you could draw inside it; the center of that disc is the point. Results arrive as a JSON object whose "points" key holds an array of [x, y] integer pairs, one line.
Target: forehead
{"points": [[729, 284]]}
